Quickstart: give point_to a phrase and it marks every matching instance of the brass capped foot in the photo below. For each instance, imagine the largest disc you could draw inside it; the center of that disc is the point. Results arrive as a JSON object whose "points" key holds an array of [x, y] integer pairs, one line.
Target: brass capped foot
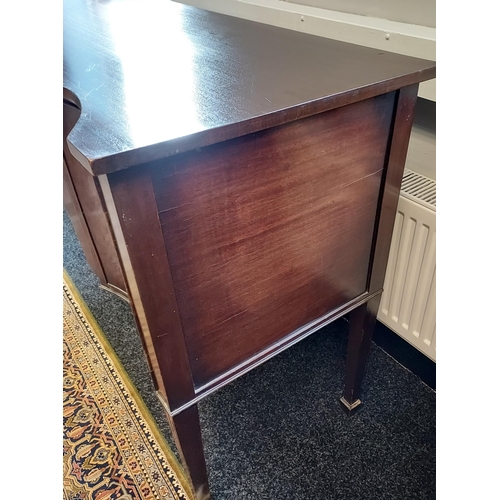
{"points": [[350, 408]]}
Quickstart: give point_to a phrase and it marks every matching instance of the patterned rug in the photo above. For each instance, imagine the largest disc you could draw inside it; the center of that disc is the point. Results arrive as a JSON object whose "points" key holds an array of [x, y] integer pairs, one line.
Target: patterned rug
{"points": [[112, 448]]}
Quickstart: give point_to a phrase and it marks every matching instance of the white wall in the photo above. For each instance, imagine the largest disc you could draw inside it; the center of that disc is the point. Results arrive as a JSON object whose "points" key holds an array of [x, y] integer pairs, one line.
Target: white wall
{"points": [[422, 148], [422, 12]]}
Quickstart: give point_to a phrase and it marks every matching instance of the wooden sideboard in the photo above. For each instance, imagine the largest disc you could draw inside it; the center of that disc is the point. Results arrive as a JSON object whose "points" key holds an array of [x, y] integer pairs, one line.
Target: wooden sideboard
{"points": [[237, 182]]}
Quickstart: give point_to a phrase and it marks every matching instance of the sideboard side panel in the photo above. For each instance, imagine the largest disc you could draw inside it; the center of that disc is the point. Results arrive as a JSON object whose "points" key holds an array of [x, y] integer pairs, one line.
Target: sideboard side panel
{"points": [[270, 231]]}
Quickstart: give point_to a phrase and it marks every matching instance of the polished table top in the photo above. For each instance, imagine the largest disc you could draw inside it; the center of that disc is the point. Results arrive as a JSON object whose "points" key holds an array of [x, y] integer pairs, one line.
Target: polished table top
{"points": [[154, 78]]}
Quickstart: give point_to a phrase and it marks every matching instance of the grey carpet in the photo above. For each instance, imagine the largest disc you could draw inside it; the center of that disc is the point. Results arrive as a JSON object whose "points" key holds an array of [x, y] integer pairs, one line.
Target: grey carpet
{"points": [[278, 432]]}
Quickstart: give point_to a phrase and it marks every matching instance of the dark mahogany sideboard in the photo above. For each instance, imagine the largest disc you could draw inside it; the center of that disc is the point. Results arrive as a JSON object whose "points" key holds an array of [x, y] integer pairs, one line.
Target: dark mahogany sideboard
{"points": [[237, 182]]}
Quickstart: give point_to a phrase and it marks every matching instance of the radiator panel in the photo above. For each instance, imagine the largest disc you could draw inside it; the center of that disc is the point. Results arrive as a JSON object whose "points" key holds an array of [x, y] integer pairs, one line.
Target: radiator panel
{"points": [[408, 305]]}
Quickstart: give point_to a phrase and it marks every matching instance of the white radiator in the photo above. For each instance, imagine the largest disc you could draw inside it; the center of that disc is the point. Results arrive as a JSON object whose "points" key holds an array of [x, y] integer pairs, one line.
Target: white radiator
{"points": [[408, 305]]}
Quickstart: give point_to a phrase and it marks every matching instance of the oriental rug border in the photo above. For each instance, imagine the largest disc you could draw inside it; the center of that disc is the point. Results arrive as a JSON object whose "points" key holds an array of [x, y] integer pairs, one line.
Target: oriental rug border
{"points": [[112, 448]]}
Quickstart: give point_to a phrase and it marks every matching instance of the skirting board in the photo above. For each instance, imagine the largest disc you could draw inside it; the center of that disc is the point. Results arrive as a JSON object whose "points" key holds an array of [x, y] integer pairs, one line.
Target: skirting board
{"points": [[405, 354]]}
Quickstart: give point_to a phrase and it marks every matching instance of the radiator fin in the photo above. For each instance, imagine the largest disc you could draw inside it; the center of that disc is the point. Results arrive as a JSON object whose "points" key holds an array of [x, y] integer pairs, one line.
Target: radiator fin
{"points": [[419, 188]]}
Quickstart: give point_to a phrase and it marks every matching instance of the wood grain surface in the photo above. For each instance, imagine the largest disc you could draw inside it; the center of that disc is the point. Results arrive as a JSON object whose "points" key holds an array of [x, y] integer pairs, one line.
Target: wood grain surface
{"points": [[268, 232], [87, 211], [156, 78]]}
